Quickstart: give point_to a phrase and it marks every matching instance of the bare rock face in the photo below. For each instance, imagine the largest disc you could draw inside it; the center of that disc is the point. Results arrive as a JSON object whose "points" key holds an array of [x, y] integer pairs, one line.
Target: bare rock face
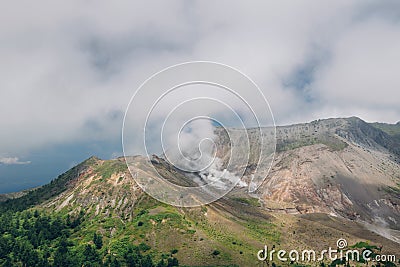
{"points": [[344, 167], [353, 182]]}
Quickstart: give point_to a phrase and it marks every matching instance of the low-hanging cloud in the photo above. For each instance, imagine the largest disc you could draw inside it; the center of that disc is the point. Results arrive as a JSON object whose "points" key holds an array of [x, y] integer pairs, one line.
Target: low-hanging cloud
{"points": [[13, 161]]}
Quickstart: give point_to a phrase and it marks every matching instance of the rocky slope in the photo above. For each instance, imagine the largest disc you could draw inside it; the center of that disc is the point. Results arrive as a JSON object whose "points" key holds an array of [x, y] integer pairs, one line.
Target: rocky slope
{"points": [[345, 167]]}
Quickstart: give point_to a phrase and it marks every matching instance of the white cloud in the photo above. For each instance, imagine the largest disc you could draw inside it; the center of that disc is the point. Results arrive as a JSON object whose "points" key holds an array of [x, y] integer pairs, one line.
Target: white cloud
{"points": [[363, 70], [13, 161]]}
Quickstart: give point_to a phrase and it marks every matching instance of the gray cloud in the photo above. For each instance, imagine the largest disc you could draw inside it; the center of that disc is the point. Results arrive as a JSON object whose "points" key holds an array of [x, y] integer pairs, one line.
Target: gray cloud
{"points": [[68, 70]]}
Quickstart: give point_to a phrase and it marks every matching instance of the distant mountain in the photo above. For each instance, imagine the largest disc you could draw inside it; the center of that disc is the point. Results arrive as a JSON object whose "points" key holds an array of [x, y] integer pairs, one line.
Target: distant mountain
{"points": [[330, 178], [7, 196]]}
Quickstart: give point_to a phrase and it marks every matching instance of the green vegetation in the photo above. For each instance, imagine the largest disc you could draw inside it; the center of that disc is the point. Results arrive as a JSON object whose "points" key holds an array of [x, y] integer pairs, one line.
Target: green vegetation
{"points": [[216, 252], [31, 238], [64, 238], [251, 201], [262, 230], [390, 129], [333, 143], [147, 233], [34, 238], [364, 245], [361, 246], [109, 167], [98, 241], [290, 145], [393, 190]]}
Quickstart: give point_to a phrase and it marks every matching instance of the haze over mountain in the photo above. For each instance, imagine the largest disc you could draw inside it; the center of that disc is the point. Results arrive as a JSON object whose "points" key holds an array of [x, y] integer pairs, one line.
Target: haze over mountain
{"points": [[330, 178]]}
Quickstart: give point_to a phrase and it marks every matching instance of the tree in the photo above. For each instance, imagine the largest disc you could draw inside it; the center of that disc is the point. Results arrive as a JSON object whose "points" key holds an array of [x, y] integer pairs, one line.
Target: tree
{"points": [[132, 257], [61, 256], [28, 256], [111, 261], [115, 263], [90, 256], [147, 261], [7, 263], [172, 262], [98, 241], [161, 263]]}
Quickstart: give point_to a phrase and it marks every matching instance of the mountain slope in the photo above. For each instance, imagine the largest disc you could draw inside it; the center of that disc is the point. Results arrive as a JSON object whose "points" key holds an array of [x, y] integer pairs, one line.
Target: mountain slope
{"points": [[330, 179], [345, 167], [32, 197], [229, 231]]}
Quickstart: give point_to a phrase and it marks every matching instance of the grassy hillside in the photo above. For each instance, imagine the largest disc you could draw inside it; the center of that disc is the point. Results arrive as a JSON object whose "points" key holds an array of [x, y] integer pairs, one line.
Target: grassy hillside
{"points": [[226, 233], [391, 129]]}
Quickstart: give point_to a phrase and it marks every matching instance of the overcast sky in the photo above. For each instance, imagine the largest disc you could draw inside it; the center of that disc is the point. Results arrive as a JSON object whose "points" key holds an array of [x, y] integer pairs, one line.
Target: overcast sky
{"points": [[68, 69]]}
